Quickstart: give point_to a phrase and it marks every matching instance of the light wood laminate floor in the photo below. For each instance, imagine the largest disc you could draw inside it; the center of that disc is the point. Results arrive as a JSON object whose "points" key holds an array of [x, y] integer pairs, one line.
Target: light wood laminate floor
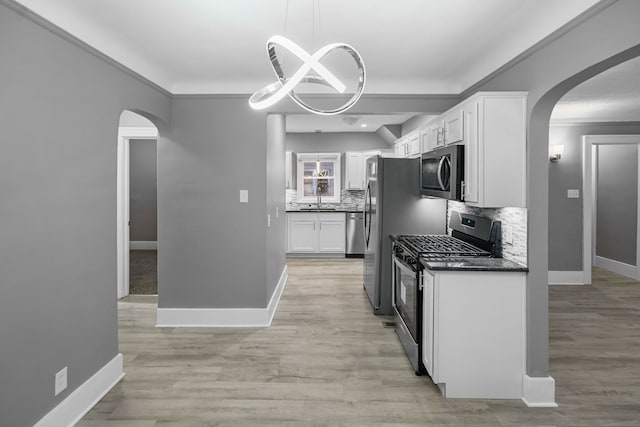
{"points": [[327, 360]]}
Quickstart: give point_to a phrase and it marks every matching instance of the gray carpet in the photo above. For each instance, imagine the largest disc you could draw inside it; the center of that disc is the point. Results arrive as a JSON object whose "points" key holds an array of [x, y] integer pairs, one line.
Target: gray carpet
{"points": [[143, 272]]}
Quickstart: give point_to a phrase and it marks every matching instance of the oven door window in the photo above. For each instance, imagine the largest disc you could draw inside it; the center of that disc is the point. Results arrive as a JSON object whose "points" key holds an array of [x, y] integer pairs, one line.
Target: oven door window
{"points": [[406, 296]]}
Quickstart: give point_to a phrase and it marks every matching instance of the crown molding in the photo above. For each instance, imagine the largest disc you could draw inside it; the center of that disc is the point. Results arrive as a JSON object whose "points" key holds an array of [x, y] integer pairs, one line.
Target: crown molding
{"points": [[559, 123]]}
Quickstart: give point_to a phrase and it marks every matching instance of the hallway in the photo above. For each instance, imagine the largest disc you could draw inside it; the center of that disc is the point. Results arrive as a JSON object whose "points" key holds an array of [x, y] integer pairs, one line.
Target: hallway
{"points": [[327, 360]]}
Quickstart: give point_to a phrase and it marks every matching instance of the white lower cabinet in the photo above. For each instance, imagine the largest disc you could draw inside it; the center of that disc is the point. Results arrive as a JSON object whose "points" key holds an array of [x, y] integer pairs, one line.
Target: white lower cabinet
{"points": [[303, 233], [427, 323], [316, 233], [331, 234], [473, 332]]}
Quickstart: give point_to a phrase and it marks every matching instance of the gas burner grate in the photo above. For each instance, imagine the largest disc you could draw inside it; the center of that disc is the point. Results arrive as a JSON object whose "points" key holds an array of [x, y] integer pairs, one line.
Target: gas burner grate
{"points": [[436, 246]]}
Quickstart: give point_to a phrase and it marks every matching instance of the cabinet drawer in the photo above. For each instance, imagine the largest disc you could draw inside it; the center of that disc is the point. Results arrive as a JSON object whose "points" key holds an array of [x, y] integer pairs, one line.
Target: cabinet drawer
{"points": [[331, 216]]}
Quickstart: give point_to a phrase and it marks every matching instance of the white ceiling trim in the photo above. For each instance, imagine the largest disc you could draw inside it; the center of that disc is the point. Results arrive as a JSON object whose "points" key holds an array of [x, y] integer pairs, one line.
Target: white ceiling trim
{"points": [[409, 46]]}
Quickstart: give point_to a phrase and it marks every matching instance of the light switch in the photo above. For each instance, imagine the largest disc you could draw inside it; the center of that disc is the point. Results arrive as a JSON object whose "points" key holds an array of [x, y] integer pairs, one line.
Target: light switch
{"points": [[573, 194], [244, 196], [268, 220], [277, 211]]}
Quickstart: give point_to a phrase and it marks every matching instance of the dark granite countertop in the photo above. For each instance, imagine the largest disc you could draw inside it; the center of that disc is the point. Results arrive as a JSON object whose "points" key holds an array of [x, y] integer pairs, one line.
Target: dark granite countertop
{"points": [[473, 264], [330, 209]]}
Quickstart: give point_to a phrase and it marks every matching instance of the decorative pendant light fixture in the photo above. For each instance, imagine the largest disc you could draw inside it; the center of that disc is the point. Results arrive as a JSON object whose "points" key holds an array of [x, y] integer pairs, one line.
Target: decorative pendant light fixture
{"points": [[271, 94]]}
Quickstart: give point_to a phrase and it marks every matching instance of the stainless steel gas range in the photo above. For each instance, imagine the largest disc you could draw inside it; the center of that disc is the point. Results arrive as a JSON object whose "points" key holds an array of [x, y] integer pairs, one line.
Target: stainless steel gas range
{"points": [[471, 236]]}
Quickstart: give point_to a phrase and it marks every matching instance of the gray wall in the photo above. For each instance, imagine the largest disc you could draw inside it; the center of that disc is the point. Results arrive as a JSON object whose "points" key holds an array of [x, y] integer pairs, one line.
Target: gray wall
{"points": [[565, 215], [334, 142], [211, 247], [415, 122], [555, 66], [59, 113], [275, 244], [617, 202], [143, 181]]}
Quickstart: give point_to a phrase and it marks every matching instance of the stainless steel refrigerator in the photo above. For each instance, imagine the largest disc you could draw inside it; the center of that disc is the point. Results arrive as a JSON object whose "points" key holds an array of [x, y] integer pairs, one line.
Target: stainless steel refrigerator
{"points": [[393, 205]]}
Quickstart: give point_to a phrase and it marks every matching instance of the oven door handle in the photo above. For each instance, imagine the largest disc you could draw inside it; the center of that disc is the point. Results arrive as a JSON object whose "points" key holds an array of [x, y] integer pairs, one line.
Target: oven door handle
{"points": [[404, 266]]}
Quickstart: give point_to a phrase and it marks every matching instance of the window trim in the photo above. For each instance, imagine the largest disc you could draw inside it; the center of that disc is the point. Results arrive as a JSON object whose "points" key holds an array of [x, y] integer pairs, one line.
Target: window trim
{"points": [[330, 157]]}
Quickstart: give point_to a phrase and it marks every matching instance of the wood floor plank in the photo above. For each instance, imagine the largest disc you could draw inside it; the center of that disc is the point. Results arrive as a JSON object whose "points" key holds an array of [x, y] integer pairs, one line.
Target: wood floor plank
{"points": [[327, 360]]}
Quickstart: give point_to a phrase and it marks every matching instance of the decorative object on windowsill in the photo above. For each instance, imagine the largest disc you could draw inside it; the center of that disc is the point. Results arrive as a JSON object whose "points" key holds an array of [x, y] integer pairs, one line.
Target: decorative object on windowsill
{"points": [[555, 152], [274, 92], [322, 186]]}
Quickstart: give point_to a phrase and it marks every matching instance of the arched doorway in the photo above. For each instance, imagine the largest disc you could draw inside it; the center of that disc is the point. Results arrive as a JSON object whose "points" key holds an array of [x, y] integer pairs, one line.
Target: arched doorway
{"points": [[542, 103], [135, 129]]}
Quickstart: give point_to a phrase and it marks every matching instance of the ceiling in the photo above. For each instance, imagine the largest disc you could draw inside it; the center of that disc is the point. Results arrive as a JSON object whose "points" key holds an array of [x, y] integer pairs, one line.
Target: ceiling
{"points": [[218, 46], [611, 96], [343, 123], [408, 46]]}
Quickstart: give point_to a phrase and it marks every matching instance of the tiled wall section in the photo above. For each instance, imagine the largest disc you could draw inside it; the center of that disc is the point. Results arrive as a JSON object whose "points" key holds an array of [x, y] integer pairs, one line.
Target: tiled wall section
{"points": [[348, 198], [514, 217]]}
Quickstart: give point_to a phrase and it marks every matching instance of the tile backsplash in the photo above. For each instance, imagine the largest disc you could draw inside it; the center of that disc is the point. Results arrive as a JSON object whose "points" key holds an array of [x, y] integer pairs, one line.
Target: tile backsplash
{"points": [[347, 197], [516, 218]]}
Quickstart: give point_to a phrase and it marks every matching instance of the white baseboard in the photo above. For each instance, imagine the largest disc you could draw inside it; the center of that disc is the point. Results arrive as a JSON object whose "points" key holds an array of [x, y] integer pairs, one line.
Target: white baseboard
{"points": [[223, 317], [141, 245], [81, 400], [277, 293], [566, 277], [617, 267], [315, 255], [539, 392]]}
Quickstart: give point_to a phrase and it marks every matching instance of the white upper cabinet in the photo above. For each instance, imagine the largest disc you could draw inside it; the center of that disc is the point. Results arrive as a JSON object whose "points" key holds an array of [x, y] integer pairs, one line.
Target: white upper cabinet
{"points": [[355, 171], [356, 177], [413, 145], [431, 136], [408, 146], [401, 148], [492, 128], [288, 170], [453, 128], [495, 149], [444, 130]]}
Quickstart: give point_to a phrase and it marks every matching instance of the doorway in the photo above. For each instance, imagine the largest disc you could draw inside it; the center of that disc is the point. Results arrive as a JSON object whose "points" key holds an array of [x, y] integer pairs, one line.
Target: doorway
{"points": [[132, 129], [623, 213]]}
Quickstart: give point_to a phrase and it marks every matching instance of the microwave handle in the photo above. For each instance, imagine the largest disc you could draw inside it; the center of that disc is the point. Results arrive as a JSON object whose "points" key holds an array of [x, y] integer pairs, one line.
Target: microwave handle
{"points": [[442, 160]]}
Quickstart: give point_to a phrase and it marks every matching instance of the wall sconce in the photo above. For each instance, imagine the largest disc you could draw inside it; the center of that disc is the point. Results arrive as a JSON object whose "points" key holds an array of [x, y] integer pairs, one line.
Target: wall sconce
{"points": [[555, 152]]}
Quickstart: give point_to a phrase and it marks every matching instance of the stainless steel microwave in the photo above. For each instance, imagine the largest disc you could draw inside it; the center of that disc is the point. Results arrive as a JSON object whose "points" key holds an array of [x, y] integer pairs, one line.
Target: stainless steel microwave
{"points": [[442, 173]]}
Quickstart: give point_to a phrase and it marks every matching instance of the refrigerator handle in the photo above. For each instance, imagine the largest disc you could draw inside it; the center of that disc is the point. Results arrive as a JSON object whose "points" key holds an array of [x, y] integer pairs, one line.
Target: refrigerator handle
{"points": [[367, 212]]}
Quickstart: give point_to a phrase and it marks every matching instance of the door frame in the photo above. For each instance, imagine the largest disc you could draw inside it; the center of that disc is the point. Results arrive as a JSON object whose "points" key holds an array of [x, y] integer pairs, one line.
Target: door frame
{"points": [[125, 134], [589, 199]]}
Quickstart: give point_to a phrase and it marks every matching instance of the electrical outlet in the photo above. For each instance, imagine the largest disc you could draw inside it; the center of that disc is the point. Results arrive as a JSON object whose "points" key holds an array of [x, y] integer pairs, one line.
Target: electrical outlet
{"points": [[508, 234], [573, 194], [61, 381]]}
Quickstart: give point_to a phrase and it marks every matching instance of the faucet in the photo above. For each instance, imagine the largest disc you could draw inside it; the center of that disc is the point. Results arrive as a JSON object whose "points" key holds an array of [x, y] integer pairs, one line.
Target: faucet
{"points": [[318, 199]]}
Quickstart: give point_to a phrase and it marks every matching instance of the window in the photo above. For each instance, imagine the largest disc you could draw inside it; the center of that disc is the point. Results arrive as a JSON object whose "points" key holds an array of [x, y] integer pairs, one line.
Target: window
{"points": [[319, 175]]}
